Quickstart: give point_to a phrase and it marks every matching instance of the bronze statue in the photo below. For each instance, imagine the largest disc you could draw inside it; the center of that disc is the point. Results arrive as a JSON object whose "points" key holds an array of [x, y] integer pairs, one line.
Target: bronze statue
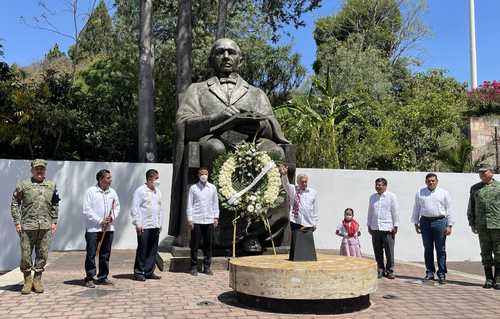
{"points": [[217, 114]]}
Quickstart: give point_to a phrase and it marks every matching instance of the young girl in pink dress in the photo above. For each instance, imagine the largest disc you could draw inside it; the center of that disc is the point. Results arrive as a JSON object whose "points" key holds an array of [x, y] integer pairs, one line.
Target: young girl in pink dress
{"points": [[349, 231]]}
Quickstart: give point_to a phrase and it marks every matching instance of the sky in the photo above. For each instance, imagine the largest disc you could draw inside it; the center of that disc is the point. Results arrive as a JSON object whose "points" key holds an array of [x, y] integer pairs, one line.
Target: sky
{"points": [[446, 48]]}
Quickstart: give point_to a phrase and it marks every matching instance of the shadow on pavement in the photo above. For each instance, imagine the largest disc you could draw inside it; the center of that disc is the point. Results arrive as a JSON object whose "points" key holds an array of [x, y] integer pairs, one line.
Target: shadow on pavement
{"points": [[435, 283], [12, 288], [289, 306], [75, 282], [124, 276], [229, 298]]}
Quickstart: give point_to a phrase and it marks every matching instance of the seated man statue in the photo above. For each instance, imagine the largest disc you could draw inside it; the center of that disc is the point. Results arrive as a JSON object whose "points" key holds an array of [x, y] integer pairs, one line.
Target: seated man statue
{"points": [[218, 114]]}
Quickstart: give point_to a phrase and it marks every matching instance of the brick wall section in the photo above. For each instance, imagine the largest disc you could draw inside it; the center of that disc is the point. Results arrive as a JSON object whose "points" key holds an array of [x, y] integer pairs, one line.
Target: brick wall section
{"points": [[482, 135]]}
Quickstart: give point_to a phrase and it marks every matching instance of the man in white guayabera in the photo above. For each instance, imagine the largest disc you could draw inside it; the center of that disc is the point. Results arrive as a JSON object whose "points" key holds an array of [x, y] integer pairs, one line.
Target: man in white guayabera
{"points": [[202, 216], [147, 217], [303, 206]]}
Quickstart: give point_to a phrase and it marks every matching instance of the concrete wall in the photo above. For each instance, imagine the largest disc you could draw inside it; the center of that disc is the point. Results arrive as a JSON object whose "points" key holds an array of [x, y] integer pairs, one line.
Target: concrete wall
{"points": [[482, 137], [73, 179], [337, 189]]}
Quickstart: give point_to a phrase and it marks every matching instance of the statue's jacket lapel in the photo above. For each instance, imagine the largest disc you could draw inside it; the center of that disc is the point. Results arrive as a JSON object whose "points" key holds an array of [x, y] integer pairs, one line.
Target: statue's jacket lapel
{"points": [[239, 91]]}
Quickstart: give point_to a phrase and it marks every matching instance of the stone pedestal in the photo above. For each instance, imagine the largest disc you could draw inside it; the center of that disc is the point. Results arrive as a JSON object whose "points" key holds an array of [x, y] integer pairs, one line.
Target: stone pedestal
{"points": [[332, 284]]}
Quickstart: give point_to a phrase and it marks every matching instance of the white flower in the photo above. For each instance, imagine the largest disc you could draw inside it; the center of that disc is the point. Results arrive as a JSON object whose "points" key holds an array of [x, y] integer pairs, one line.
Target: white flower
{"points": [[250, 208], [252, 198]]}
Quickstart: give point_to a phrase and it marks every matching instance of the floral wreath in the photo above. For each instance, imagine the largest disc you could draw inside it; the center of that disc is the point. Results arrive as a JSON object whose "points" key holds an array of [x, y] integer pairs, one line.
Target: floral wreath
{"points": [[249, 184]]}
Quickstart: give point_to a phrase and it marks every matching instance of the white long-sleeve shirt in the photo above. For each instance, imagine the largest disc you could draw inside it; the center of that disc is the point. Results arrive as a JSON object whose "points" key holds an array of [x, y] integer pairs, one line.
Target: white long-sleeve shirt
{"points": [[307, 214], [203, 203], [147, 210], [383, 211], [434, 203], [97, 204]]}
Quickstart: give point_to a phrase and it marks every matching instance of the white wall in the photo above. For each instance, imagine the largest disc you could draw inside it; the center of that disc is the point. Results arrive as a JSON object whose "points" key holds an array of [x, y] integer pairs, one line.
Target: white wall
{"points": [[72, 179], [337, 189]]}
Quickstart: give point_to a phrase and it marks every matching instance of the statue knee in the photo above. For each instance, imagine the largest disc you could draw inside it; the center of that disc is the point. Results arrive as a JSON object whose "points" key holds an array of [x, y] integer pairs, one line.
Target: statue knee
{"points": [[214, 146], [210, 150], [272, 148]]}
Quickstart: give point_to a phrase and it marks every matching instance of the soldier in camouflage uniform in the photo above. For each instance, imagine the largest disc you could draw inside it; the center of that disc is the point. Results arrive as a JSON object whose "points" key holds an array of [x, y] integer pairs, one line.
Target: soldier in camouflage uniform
{"points": [[34, 210], [484, 219]]}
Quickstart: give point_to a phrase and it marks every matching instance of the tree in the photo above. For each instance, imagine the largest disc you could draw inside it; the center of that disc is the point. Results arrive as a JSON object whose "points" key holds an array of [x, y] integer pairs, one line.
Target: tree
{"points": [[184, 43], [145, 111], [43, 22], [37, 110], [96, 37], [432, 116], [54, 53], [379, 24], [315, 117]]}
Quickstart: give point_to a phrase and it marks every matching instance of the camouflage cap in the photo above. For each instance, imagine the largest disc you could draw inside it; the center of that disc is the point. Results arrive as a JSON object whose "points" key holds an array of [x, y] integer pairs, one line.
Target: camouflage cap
{"points": [[485, 167], [39, 162]]}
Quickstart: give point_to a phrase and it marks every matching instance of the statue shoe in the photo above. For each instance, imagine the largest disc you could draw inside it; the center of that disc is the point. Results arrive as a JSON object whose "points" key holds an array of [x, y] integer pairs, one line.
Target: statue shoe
{"points": [[37, 283], [28, 283]]}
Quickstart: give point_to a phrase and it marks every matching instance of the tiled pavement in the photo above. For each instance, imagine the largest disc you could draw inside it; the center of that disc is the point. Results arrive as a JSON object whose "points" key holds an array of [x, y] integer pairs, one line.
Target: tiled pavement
{"points": [[179, 295]]}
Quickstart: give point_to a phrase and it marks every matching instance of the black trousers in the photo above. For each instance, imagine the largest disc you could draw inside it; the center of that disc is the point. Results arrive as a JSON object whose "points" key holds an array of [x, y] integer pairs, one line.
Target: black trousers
{"points": [[203, 232], [145, 255], [383, 241], [92, 240]]}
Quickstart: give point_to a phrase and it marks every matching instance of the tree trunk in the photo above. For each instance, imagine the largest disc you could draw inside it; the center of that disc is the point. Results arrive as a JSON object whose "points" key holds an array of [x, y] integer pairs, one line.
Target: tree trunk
{"points": [[145, 112], [184, 43], [221, 19]]}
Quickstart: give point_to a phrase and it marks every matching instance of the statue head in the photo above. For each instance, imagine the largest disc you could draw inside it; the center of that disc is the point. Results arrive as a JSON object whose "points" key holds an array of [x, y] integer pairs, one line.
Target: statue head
{"points": [[225, 57]]}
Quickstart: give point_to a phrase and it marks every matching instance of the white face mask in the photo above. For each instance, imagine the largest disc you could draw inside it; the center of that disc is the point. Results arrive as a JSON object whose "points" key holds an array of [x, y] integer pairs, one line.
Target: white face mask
{"points": [[156, 183], [204, 178]]}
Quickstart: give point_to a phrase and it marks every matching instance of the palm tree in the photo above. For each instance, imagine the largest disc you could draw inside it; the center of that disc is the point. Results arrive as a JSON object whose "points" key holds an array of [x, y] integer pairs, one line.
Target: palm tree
{"points": [[310, 121]]}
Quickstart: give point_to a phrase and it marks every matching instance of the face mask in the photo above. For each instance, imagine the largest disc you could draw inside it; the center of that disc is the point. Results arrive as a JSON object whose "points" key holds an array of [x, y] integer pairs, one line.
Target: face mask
{"points": [[156, 183], [204, 178]]}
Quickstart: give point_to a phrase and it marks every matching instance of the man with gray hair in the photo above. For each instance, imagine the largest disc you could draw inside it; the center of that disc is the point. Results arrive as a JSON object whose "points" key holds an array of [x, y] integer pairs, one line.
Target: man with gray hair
{"points": [[303, 205]]}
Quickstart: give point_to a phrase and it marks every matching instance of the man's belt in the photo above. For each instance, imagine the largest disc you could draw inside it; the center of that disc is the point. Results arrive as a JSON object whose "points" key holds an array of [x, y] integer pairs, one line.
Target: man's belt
{"points": [[433, 218]]}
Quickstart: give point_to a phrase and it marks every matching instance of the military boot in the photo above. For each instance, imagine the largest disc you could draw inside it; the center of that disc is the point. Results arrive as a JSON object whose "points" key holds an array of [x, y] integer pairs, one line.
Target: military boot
{"points": [[28, 283], [488, 272], [496, 284], [37, 282]]}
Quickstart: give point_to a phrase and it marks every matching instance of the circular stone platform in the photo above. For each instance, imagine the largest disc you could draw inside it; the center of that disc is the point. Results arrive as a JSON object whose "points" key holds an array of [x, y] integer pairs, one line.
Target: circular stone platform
{"points": [[333, 284]]}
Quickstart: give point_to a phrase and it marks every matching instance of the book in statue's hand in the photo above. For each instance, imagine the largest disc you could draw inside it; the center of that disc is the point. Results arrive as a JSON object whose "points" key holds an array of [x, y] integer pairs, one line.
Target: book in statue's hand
{"points": [[239, 119]]}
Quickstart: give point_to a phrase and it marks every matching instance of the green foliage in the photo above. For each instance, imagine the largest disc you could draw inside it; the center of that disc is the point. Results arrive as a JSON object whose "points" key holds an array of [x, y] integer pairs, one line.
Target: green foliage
{"points": [[375, 22], [37, 115], [314, 118], [396, 119], [54, 53], [96, 37], [432, 114], [457, 157], [85, 106]]}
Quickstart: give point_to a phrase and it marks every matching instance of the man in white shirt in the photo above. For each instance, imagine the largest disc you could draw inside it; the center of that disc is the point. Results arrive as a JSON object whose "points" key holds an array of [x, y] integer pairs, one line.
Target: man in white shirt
{"points": [[100, 208], [383, 223], [147, 217], [303, 205], [433, 217], [202, 216]]}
